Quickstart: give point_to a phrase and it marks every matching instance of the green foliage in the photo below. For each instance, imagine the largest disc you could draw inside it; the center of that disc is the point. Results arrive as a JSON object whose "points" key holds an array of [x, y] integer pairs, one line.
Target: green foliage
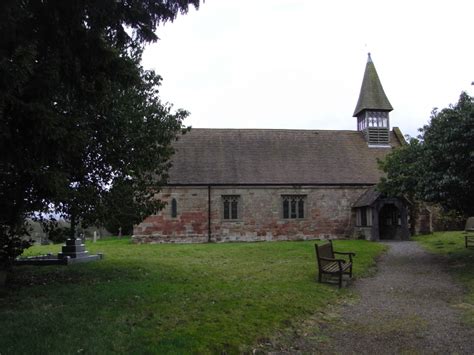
{"points": [[403, 168], [169, 298], [438, 166], [447, 220], [78, 113], [58, 235], [11, 244], [449, 157], [122, 210], [460, 263]]}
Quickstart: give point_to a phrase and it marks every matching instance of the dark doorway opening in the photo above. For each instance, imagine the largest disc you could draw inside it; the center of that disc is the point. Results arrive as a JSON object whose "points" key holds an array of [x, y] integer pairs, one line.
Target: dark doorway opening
{"points": [[390, 222]]}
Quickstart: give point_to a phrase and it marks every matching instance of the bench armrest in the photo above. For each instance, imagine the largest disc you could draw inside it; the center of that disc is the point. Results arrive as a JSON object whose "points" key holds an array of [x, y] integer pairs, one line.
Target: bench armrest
{"points": [[343, 253]]}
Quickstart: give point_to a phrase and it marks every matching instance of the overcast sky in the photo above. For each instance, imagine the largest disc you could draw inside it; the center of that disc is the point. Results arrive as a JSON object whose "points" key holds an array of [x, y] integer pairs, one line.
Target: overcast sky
{"points": [[298, 64]]}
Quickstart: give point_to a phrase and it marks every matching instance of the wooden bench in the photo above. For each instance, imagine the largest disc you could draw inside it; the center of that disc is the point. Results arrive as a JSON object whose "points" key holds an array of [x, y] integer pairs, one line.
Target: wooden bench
{"points": [[469, 240], [328, 264]]}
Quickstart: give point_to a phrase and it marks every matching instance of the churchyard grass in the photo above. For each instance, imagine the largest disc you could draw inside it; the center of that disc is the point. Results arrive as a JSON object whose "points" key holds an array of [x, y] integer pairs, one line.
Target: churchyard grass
{"points": [[460, 262], [168, 298]]}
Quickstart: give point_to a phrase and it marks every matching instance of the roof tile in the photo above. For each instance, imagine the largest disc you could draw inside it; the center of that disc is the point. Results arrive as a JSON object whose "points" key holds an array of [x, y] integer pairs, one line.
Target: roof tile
{"points": [[274, 156]]}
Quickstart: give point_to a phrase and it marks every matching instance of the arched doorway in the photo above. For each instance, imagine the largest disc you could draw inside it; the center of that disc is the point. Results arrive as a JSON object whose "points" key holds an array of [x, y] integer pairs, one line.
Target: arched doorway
{"points": [[390, 222]]}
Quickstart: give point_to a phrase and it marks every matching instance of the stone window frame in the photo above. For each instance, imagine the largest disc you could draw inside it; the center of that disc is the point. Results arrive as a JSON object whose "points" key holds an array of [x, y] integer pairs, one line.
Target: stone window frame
{"points": [[299, 198], [174, 208], [364, 217], [233, 211]]}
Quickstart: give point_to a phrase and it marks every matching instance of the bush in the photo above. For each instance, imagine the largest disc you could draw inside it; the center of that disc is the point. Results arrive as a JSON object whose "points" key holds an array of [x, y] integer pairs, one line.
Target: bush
{"points": [[448, 220], [59, 235]]}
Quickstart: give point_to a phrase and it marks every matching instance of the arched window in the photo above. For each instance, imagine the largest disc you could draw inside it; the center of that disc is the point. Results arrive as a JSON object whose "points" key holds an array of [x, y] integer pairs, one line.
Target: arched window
{"points": [[174, 208]]}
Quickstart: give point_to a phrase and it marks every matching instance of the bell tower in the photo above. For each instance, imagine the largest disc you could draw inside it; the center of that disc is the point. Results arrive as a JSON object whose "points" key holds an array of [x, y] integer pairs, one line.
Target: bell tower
{"points": [[372, 109]]}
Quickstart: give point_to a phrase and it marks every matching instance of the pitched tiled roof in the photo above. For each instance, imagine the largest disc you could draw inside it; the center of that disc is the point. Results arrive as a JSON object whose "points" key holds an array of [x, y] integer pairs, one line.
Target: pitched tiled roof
{"points": [[275, 156], [368, 197], [372, 96]]}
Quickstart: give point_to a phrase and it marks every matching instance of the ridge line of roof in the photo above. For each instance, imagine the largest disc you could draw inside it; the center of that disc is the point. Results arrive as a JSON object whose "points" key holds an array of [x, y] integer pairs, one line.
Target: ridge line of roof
{"points": [[274, 129]]}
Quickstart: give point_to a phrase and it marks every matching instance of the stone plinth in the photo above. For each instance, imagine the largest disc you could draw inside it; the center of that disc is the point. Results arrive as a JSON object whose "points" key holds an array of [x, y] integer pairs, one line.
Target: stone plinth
{"points": [[49, 259], [74, 248]]}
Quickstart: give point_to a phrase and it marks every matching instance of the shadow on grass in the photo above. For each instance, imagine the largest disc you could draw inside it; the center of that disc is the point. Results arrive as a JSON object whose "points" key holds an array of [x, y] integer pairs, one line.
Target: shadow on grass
{"points": [[167, 298]]}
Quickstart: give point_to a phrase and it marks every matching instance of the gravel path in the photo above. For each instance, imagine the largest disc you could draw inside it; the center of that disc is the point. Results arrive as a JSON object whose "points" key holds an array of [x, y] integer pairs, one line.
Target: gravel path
{"points": [[410, 306]]}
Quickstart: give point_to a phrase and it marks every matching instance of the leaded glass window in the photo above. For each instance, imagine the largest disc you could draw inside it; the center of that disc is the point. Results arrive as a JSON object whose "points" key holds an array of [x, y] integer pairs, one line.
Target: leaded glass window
{"points": [[364, 217], [230, 205], [293, 206]]}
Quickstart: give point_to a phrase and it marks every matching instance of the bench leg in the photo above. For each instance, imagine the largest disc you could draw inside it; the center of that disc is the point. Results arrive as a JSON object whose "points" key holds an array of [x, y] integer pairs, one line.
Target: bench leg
{"points": [[320, 277], [340, 279]]}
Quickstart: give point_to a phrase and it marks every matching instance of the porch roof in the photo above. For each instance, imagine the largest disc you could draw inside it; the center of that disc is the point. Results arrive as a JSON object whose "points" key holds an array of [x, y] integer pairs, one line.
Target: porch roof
{"points": [[368, 197]]}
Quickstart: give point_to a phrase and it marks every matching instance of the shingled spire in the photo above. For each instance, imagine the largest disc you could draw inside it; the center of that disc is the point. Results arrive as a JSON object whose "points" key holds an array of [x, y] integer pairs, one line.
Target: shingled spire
{"points": [[372, 108]]}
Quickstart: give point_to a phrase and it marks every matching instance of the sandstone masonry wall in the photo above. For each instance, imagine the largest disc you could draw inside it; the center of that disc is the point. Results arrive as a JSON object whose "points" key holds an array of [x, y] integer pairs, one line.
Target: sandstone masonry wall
{"points": [[328, 214]]}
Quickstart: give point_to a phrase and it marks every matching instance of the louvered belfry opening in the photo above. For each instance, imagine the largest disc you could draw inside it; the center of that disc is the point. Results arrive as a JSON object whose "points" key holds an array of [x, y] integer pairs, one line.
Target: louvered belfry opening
{"points": [[375, 125], [372, 109]]}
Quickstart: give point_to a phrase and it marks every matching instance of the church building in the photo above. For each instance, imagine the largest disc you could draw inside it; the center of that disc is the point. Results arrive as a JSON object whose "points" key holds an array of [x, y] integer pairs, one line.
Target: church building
{"points": [[280, 184]]}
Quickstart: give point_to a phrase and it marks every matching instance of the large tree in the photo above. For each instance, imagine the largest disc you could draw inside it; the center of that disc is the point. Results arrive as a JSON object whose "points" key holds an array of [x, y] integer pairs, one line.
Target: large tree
{"points": [[78, 113], [121, 210], [438, 166]]}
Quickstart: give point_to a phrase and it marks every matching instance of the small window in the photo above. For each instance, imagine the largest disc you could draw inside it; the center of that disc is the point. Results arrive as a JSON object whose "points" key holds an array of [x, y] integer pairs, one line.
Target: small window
{"points": [[364, 217], [368, 211], [174, 208], [293, 206], [230, 205]]}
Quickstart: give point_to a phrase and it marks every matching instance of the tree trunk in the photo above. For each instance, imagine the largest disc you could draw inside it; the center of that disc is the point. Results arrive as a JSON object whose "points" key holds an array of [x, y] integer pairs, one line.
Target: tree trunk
{"points": [[72, 230], [3, 277]]}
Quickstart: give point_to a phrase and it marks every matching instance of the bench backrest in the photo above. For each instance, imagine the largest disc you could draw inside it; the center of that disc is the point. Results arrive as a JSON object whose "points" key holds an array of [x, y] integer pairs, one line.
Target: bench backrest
{"points": [[324, 251]]}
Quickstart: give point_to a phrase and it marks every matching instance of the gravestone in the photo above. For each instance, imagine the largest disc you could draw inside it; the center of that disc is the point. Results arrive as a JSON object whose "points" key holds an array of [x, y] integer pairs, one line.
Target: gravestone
{"points": [[74, 248], [469, 230], [469, 225], [74, 251]]}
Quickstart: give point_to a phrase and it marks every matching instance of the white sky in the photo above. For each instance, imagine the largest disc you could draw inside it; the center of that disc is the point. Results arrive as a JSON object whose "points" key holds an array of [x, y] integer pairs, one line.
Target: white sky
{"points": [[299, 64]]}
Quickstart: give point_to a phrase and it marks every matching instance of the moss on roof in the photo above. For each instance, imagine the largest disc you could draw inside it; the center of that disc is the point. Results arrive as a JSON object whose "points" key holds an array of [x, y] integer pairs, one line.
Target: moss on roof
{"points": [[275, 156], [372, 96]]}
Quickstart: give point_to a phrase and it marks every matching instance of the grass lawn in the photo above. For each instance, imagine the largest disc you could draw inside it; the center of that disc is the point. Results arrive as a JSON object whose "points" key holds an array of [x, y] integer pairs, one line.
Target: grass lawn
{"points": [[167, 298], [460, 262]]}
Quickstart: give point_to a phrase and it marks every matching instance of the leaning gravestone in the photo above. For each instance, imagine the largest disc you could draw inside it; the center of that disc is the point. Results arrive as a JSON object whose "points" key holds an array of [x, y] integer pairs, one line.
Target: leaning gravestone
{"points": [[469, 225], [469, 230]]}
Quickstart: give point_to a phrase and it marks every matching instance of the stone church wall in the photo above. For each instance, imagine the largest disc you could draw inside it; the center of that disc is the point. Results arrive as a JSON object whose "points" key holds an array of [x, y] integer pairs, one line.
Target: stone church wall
{"points": [[328, 214]]}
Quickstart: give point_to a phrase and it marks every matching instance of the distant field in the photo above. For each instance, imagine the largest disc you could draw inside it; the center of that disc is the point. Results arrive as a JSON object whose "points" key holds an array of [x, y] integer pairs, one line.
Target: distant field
{"points": [[167, 298], [460, 262]]}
